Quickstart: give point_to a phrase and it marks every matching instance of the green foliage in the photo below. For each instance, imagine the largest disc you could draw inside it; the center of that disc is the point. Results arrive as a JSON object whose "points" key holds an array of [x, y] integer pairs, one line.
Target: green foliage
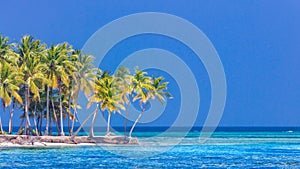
{"points": [[29, 68]]}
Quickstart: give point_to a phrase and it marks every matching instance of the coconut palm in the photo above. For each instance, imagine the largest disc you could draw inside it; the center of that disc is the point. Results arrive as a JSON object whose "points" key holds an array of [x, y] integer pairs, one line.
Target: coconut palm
{"points": [[158, 90], [123, 80], [108, 98], [9, 80], [98, 97], [7, 55], [111, 97], [85, 76], [8, 58], [59, 69], [30, 52], [141, 85]]}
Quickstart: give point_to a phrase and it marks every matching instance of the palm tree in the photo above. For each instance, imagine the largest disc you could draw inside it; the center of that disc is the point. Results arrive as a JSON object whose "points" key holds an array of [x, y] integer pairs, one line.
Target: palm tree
{"points": [[108, 98], [59, 70], [8, 58], [30, 52], [157, 90], [123, 80], [111, 101], [85, 76], [9, 88], [7, 55]]}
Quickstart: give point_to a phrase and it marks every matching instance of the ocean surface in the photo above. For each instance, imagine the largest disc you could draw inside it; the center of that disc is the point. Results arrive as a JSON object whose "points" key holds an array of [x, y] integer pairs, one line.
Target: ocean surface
{"points": [[225, 149]]}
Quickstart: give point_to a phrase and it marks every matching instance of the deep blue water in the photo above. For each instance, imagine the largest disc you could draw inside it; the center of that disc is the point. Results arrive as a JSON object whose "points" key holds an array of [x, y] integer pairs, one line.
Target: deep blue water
{"points": [[222, 150]]}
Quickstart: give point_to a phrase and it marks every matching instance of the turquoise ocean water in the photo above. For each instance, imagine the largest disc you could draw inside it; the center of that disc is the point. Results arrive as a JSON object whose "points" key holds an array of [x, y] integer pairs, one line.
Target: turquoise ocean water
{"points": [[277, 149]]}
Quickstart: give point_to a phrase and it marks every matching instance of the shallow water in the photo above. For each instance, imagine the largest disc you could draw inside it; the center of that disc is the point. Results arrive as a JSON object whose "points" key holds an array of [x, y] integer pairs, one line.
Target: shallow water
{"points": [[223, 150]]}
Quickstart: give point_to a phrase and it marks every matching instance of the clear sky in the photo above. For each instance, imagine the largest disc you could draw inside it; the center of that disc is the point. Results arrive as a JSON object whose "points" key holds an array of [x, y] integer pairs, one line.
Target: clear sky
{"points": [[258, 43]]}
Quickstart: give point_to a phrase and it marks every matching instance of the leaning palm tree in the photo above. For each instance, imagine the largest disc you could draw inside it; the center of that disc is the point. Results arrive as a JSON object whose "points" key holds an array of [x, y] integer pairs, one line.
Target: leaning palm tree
{"points": [[30, 52], [141, 85], [111, 99], [158, 90], [107, 97]]}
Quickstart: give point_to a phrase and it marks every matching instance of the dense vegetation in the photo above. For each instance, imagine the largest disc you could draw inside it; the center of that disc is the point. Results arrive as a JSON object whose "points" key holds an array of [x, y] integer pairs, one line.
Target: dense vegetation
{"points": [[44, 83]]}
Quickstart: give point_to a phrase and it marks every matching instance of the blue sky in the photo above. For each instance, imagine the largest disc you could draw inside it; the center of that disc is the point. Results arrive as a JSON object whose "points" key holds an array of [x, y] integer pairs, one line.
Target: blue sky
{"points": [[258, 43]]}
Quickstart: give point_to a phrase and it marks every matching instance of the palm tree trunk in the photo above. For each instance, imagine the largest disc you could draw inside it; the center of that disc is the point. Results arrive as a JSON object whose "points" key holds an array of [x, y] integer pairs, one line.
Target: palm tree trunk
{"points": [[21, 125], [41, 124], [69, 126], [34, 120], [134, 124], [126, 119], [73, 121], [55, 117], [11, 116], [61, 113], [84, 122], [137, 119], [38, 122], [93, 123], [1, 129], [69, 114], [50, 123], [108, 124], [47, 115], [27, 124]]}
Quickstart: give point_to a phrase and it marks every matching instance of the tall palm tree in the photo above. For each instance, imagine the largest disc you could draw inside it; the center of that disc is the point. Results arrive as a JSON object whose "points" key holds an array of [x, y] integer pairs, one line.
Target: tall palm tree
{"points": [[8, 87], [8, 58], [123, 80], [59, 69], [30, 52], [85, 76], [141, 85]]}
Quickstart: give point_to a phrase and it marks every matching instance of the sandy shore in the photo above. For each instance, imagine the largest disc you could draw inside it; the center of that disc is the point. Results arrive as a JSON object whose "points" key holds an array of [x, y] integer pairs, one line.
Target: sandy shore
{"points": [[23, 141], [43, 145]]}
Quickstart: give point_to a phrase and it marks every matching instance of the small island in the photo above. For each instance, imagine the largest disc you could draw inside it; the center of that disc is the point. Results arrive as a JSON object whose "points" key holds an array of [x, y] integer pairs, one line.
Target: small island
{"points": [[44, 83]]}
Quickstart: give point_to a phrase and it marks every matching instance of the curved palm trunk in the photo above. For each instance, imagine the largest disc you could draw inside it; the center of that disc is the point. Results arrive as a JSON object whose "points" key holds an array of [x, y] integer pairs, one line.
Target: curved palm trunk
{"points": [[27, 124], [137, 119], [84, 122], [61, 114], [93, 123], [11, 116], [134, 124], [47, 114], [108, 124]]}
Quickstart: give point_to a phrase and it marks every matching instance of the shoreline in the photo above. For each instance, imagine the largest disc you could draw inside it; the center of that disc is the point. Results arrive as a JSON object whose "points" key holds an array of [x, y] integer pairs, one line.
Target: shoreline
{"points": [[25, 141]]}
